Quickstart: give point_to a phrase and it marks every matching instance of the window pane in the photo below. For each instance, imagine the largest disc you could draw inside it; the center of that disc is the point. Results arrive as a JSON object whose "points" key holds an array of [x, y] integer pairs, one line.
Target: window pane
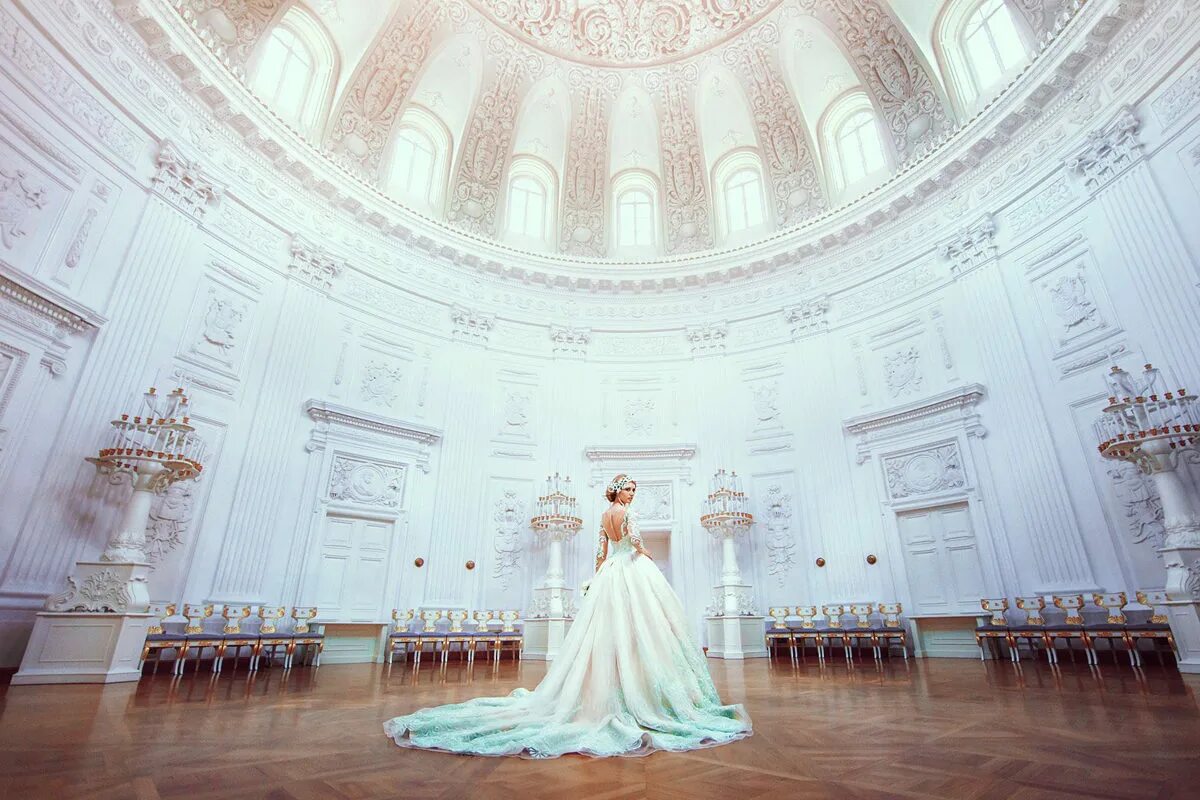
{"points": [[992, 44], [527, 208], [634, 220], [860, 151], [743, 201], [412, 166], [285, 74]]}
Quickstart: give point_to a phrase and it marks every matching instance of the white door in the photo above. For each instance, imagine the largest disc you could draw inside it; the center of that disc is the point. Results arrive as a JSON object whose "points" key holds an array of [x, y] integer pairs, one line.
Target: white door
{"points": [[351, 573], [942, 560]]}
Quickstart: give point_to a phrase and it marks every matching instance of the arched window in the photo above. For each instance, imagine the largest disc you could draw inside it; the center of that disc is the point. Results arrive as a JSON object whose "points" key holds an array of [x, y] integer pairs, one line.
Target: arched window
{"points": [[417, 169], [526, 207], [635, 213], [293, 69], [982, 44], [740, 199], [991, 43], [855, 153], [529, 218], [635, 219], [743, 201]]}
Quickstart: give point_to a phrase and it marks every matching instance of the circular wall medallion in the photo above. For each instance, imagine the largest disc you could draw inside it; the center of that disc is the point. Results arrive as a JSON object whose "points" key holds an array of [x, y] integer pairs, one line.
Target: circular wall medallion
{"points": [[820, 562], [871, 559], [470, 565], [420, 562]]}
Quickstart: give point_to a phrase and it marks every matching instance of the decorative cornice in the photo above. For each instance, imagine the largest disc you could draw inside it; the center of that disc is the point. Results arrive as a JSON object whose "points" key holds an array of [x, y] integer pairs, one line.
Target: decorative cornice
{"points": [[59, 312], [679, 452], [322, 411], [958, 398]]}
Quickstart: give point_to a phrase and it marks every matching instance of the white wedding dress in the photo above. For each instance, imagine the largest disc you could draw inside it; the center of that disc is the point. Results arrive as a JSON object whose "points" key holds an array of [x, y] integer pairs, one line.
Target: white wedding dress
{"points": [[628, 680]]}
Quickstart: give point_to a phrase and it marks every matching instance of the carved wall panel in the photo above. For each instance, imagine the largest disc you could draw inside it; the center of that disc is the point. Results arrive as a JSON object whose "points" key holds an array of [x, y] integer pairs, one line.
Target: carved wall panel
{"points": [[586, 182], [233, 26], [511, 520], [377, 92], [32, 202], [931, 471], [782, 135], [219, 332], [487, 146], [887, 63], [655, 501], [685, 191], [1070, 298], [365, 482]]}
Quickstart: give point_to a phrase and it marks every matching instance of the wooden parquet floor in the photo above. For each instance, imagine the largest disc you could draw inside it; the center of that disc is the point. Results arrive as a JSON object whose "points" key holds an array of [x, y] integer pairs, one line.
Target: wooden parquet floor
{"points": [[932, 729]]}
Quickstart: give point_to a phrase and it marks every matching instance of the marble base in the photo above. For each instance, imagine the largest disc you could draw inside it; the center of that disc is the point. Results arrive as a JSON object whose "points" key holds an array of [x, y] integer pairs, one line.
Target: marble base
{"points": [[1184, 616], [736, 637], [83, 647], [544, 637]]}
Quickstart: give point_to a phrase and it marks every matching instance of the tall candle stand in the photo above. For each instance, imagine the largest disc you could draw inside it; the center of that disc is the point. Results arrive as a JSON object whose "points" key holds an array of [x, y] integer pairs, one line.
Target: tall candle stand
{"points": [[553, 605], [93, 631], [1158, 432], [734, 627]]}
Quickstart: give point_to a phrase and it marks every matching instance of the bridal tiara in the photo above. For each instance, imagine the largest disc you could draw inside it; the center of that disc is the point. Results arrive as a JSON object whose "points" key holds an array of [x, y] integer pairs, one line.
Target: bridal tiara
{"points": [[617, 486]]}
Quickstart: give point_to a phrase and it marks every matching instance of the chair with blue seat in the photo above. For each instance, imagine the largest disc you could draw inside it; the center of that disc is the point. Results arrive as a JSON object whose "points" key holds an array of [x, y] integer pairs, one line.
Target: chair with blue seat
{"points": [[858, 628], [509, 636], [1032, 629], [270, 638], [484, 635], [456, 634], [807, 632], [890, 630], [306, 641], [995, 629], [1070, 629], [1112, 628], [1152, 625], [428, 634], [234, 636], [159, 638], [778, 633], [402, 636], [198, 635], [832, 631]]}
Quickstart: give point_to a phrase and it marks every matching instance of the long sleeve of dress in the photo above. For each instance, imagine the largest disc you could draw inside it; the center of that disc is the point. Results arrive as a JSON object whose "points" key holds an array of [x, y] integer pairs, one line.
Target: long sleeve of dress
{"points": [[601, 548], [635, 533]]}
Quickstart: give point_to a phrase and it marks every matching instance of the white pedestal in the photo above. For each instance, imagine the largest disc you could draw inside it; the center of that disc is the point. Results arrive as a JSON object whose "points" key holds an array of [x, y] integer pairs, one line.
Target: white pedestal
{"points": [[1185, 627], [736, 637], [544, 637], [82, 647]]}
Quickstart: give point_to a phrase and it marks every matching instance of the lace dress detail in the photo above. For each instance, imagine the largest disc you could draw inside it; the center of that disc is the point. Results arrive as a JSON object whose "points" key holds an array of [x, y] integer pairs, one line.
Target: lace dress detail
{"points": [[629, 680]]}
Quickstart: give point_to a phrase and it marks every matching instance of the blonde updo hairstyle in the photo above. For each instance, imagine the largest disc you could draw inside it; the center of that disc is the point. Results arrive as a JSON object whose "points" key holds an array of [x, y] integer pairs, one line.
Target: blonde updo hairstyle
{"points": [[611, 492]]}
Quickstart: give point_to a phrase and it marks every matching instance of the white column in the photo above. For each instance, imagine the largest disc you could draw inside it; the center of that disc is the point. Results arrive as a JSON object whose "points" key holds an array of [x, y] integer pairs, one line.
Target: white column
{"points": [[56, 532], [1021, 444], [256, 515], [1113, 168]]}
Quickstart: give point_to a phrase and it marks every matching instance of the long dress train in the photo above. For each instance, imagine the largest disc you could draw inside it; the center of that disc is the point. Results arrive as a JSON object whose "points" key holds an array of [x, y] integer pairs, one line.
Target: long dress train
{"points": [[628, 680]]}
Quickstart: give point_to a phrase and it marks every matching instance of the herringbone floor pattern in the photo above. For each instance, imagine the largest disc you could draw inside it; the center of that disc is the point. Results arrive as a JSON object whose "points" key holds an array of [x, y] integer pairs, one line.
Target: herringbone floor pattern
{"points": [[931, 729]]}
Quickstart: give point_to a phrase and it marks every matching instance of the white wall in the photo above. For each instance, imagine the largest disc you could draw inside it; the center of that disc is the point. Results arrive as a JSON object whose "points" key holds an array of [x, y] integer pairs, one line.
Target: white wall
{"points": [[973, 372]]}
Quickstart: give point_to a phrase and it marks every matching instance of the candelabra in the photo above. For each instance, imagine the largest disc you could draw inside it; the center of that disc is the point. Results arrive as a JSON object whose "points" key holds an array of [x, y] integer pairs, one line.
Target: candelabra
{"points": [[93, 631], [734, 629], [558, 518], [151, 451], [1157, 431]]}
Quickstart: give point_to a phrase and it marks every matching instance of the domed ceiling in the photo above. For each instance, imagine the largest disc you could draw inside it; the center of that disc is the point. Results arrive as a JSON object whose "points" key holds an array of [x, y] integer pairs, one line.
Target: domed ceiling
{"points": [[623, 130]]}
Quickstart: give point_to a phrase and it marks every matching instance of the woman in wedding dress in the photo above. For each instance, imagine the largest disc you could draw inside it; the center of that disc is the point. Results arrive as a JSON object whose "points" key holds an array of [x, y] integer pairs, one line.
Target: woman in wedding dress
{"points": [[628, 680]]}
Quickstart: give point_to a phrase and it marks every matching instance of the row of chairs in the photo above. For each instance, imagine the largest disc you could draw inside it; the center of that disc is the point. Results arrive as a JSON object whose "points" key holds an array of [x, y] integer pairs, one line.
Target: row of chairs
{"points": [[1105, 621], [227, 630], [444, 637], [878, 626]]}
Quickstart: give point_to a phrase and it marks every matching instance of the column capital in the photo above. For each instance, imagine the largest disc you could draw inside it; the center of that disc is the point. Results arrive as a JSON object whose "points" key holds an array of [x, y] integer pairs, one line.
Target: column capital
{"points": [[972, 247], [472, 325], [181, 181], [1109, 151], [313, 264], [809, 317]]}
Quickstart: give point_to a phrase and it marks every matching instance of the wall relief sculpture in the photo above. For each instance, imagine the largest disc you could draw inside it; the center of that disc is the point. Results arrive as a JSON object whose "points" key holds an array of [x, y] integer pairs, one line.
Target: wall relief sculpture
{"points": [[511, 520], [926, 472]]}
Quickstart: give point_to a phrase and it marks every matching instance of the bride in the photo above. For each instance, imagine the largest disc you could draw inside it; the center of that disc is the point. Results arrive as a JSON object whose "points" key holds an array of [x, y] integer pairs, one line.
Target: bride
{"points": [[628, 680]]}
